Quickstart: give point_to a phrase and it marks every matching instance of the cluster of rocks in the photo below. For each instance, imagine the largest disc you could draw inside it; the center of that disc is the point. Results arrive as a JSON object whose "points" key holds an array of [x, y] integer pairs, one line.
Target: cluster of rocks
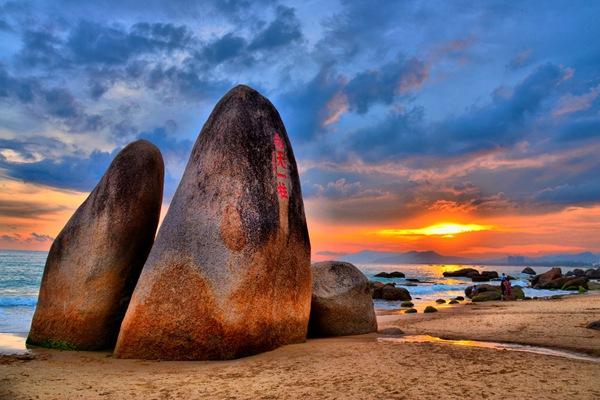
{"points": [[554, 279], [487, 292], [229, 272], [591, 273], [473, 274]]}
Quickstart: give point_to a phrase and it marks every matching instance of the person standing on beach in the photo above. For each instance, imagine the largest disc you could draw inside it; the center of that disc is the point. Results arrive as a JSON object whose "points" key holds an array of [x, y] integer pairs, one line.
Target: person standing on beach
{"points": [[507, 289], [503, 286]]}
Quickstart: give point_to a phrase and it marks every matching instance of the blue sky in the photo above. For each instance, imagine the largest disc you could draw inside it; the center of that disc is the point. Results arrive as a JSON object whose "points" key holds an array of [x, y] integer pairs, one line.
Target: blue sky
{"points": [[395, 110]]}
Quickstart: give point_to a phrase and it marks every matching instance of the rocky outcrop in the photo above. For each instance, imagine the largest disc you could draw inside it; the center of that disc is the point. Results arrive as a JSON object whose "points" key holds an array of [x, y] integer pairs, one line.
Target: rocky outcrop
{"points": [[528, 271], [394, 274], [593, 273], [391, 292], [95, 261], [576, 272], [541, 280], [490, 292], [341, 301], [484, 276], [229, 273], [464, 272]]}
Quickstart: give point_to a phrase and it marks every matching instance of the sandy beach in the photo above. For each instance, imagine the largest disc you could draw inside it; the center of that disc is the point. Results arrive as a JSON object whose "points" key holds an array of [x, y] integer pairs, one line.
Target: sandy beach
{"points": [[359, 367]]}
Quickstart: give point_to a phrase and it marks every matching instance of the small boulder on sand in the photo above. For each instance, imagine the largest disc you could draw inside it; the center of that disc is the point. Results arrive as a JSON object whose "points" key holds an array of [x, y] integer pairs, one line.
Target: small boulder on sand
{"points": [[594, 325], [341, 301], [391, 331]]}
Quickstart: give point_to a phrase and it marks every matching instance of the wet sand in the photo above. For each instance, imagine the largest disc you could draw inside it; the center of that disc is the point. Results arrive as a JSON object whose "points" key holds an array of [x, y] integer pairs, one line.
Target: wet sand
{"points": [[359, 367]]}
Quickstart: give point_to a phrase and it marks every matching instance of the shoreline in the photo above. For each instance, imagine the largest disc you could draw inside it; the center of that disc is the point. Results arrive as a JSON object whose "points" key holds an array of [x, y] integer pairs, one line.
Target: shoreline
{"points": [[350, 367]]}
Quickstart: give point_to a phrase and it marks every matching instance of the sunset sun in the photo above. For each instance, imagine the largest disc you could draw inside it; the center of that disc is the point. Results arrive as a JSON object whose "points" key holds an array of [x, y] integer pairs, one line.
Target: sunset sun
{"points": [[443, 229]]}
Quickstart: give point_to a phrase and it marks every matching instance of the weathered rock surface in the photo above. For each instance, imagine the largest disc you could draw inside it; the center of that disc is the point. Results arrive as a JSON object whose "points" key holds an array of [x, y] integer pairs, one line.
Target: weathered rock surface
{"points": [[95, 261], [341, 301], [542, 279], [528, 271], [229, 273], [576, 272]]}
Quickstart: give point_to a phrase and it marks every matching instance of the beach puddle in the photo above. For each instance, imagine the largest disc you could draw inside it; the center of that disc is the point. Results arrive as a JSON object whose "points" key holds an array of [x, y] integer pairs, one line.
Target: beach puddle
{"points": [[491, 345]]}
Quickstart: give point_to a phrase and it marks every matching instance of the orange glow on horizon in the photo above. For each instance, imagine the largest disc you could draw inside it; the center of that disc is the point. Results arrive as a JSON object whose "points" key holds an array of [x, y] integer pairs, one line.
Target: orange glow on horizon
{"points": [[443, 229]]}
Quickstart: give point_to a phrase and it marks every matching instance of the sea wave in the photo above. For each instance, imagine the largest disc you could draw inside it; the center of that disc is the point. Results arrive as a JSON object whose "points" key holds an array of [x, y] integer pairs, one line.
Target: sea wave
{"points": [[18, 301]]}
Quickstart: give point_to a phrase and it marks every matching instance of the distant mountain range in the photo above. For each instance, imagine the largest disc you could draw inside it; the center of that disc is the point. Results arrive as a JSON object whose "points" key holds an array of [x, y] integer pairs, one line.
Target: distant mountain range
{"points": [[431, 257]]}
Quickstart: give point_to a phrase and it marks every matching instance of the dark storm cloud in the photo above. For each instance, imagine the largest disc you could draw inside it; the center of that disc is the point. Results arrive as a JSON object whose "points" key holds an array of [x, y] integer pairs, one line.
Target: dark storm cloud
{"points": [[283, 30]]}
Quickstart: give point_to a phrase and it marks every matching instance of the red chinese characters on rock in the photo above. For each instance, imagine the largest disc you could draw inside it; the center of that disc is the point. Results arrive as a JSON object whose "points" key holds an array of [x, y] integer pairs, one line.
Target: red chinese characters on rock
{"points": [[280, 167]]}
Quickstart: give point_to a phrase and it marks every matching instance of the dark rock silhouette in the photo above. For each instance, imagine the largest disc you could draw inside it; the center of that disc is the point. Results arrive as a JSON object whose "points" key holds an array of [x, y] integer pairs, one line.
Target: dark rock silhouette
{"points": [[463, 272], [528, 271], [341, 301], [95, 261], [229, 274], [541, 280], [388, 291]]}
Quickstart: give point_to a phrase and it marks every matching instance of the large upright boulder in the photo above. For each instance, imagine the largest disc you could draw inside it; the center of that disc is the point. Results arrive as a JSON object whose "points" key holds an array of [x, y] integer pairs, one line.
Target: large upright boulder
{"points": [[95, 261], [341, 301], [229, 273]]}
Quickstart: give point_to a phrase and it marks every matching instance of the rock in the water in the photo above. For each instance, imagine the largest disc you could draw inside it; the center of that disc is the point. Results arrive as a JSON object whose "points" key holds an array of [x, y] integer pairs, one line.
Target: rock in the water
{"points": [[392, 331], [593, 273], [430, 309], [440, 301], [410, 311], [412, 280], [453, 302], [95, 261], [528, 271], [460, 298], [395, 274], [407, 304], [594, 325], [576, 272], [542, 279], [464, 272], [390, 292], [229, 273], [341, 301]]}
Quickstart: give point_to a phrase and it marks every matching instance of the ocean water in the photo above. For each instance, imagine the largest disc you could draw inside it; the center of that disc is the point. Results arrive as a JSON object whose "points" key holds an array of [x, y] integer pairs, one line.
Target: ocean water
{"points": [[21, 274]]}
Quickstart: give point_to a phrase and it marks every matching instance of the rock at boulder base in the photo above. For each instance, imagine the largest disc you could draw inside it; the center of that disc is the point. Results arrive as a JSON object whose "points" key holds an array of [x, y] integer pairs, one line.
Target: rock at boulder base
{"points": [[95, 261], [487, 296], [341, 301], [229, 273]]}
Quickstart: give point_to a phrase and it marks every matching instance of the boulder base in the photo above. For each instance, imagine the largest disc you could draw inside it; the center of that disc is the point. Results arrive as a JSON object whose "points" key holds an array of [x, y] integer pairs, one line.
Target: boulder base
{"points": [[341, 301], [95, 261]]}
